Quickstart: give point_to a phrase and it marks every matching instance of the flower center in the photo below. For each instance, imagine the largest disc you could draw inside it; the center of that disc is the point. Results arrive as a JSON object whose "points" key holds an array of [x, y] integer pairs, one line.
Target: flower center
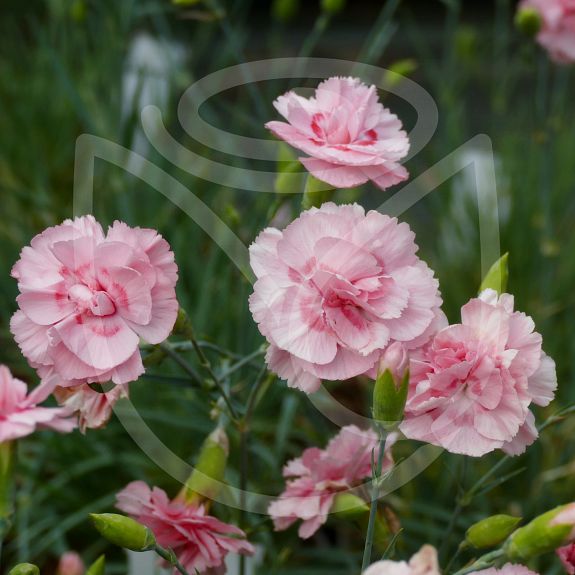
{"points": [[97, 302]]}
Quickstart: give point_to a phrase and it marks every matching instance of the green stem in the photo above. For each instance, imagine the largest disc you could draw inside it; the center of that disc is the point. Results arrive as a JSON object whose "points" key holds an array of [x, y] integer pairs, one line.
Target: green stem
{"points": [[483, 562], [188, 331], [171, 558], [244, 428], [376, 472], [6, 506]]}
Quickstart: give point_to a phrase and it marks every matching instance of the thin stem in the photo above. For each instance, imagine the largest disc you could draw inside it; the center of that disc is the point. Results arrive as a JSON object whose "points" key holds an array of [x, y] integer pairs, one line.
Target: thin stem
{"points": [[454, 557], [450, 526], [171, 558], [239, 364], [244, 428], [177, 358], [483, 562], [188, 331], [376, 473]]}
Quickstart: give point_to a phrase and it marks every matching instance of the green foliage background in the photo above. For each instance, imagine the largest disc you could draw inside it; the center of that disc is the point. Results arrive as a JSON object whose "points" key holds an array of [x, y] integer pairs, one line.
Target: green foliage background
{"points": [[61, 69]]}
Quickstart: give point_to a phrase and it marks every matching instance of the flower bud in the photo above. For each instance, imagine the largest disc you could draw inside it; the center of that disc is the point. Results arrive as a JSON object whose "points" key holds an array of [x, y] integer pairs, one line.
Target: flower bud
{"points": [[498, 275], [70, 564], [391, 387], [204, 482], [528, 21], [545, 533], [491, 531], [285, 10], [316, 193], [98, 567], [332, 6], [24, 569], [349, 506], [123, 531]]}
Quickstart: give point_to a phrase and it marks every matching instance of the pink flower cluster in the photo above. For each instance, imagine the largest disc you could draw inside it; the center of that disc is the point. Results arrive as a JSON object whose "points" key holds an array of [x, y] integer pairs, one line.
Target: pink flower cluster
{"points": [[200, 541], [335, 288], [86, 298], [557, 34], [315, 479], [20, 414], [349, 136], [471, 387]]}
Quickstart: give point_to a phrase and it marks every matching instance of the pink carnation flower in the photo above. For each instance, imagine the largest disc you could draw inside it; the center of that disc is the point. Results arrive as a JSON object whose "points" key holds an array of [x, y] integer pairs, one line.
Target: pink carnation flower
{"points": [[93, 409], [472, 385], [424, 562], [201, 542], [557, 34], [567, 556], [87, 298], [350, 137], [507, 569], [70, 564], [19, 413], [334, 289], [315, 478]]}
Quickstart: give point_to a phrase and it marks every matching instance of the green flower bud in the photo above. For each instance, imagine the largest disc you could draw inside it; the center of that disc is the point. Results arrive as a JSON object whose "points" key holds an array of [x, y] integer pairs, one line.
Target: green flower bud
{"points": [[123, 531], [98, 567], [542, 535], [391, 387], [498, 275], [316, 193], [24, 569], [332, 6], [285, 10], [491, 531], [528, 21], [204, 481], [349, 506]]}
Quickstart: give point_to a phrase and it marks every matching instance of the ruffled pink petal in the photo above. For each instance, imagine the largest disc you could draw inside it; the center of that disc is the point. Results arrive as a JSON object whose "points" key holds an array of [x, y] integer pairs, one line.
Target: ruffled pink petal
{"points": [[100, 342]]}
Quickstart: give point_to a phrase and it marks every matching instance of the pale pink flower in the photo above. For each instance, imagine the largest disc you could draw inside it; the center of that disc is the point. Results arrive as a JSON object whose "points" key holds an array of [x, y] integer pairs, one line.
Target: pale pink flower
{"points": [[200, 541], [507, 569], [20, 414], [557, 34], [424, 562], [471, 387], [334, 289], [70, 564], [87, 298], [93, 409], [315, 478], [349, 136], [567, 556]]}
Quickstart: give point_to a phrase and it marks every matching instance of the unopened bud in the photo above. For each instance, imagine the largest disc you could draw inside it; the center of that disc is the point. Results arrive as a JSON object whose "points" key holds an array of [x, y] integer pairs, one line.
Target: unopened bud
{"points": [[316, 193], [24, 569], [285, 10], [332, 6], [544, 534], [498, 276], [98, 567], [528, 21], [205, 480], [491, 531], [389, 398], [349, 506], [123, 531]]}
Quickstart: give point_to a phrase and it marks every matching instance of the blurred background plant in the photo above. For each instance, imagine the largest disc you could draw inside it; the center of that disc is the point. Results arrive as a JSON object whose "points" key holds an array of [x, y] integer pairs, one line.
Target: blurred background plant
{"points": [[69, 67]]}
